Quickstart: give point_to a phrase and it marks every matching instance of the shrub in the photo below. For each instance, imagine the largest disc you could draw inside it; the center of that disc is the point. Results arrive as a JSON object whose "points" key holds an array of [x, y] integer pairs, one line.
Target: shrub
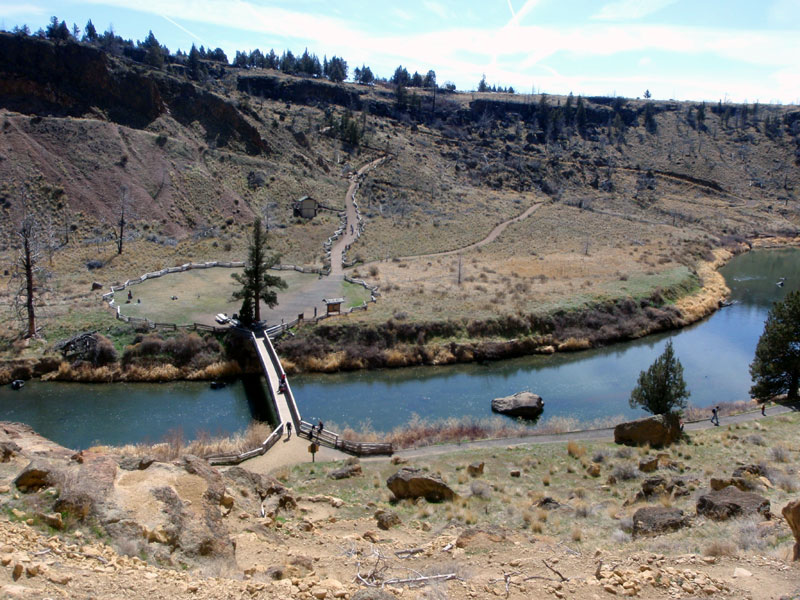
{"points": [[625, 472], [183, 347], [481, 489], [575, 450], [779, 454], [720, 548], [104, 352]]}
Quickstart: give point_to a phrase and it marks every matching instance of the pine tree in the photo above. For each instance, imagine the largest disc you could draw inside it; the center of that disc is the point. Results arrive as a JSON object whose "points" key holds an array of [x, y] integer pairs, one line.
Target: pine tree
{"points": [[580, 116], [776, 366], [661, 389], [258, 285]]}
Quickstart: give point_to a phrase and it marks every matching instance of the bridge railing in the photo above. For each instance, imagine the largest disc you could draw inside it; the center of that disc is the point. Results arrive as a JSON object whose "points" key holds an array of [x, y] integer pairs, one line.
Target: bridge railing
{"points": [[235, 459], [331, 439]]}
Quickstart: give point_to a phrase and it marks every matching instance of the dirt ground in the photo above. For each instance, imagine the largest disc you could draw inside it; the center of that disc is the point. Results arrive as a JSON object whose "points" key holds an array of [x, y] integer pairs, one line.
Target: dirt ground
{"points": [[532, 524]]}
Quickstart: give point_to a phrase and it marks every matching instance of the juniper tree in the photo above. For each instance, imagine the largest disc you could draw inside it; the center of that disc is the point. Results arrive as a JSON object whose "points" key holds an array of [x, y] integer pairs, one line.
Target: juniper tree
{"points": [[776, 366], [258, 285], [661, 389]]}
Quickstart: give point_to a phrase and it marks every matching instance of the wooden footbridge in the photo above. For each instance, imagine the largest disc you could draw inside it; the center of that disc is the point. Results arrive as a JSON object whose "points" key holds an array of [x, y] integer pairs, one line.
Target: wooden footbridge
{"points": [[286, 413]]}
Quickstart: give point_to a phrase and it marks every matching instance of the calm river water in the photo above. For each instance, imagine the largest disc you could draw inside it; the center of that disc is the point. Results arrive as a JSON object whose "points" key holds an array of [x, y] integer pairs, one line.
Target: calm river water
{"points": [[587, 385]]}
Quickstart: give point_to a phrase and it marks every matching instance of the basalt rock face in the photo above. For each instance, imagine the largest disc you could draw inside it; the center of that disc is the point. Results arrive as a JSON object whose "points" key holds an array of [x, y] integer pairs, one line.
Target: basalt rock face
{"points": [[69, 79]]}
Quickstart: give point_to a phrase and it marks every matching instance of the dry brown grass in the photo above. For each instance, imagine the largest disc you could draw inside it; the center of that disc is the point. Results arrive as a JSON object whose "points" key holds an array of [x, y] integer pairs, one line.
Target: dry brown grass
{"points": [[174, 445], [575, 450]]}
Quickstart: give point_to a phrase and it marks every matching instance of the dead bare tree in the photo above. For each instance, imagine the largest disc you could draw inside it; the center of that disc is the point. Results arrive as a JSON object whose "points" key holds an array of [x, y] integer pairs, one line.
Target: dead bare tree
{"points": [[28, 276], [124, 214]]}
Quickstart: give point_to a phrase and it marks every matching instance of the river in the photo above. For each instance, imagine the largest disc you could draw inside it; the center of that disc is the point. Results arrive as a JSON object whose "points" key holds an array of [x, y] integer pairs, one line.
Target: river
{"points": [[588, 385]]}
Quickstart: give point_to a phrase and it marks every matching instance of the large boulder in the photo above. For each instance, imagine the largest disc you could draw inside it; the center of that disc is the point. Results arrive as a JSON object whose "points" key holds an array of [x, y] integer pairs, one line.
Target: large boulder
{"points": [[657, 519], [658, 430], [522, 404], [39, 474], [409, 482], [791, 512], [730, 502]]}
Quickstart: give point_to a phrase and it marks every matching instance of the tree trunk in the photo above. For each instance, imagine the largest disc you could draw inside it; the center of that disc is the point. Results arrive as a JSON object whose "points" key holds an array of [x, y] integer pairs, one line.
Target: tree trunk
{"points": [[29, 287], [792, 395]]}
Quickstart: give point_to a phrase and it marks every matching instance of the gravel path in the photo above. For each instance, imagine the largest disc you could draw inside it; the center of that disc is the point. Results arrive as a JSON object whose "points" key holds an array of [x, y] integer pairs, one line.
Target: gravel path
{"points": [[605, 434]]}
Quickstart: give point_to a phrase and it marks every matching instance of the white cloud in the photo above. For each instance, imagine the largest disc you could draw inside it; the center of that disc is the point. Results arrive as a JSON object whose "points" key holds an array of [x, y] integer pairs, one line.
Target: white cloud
{"points": [[629, 10], [14, 10], [436, 8], [645, 61], [400, 14]]}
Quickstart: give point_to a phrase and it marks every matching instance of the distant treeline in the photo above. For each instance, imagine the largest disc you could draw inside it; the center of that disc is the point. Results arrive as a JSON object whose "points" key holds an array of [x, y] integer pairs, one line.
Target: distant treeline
{"points": [[151, 52]]}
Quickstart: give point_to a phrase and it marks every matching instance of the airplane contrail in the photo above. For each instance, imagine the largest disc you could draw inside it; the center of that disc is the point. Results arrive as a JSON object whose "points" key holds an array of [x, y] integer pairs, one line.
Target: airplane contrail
{"points": [[511, 8], [181, 27]]}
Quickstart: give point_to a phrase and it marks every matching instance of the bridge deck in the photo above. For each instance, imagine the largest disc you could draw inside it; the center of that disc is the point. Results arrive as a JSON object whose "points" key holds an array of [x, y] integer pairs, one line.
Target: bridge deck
{"points": [[286, 409], [283, 402]]}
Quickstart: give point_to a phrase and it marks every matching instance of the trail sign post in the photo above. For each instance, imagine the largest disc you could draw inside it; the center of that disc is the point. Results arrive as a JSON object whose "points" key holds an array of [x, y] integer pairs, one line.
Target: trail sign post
{"points": [[312, 448]]}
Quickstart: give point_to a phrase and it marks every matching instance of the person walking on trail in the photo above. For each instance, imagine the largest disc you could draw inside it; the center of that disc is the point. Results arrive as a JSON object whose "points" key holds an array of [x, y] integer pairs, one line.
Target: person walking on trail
{"points": [[715, 415], [764, 409], [288, 431]]}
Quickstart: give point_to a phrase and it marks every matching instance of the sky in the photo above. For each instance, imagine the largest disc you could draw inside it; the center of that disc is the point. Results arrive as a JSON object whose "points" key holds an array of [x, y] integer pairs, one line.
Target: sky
{"points": [[729, 50]]}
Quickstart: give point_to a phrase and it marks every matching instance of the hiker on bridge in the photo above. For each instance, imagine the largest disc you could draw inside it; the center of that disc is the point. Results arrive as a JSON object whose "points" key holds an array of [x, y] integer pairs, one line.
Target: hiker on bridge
{"points": [[319, 428], [288, 431], [282, 385]]}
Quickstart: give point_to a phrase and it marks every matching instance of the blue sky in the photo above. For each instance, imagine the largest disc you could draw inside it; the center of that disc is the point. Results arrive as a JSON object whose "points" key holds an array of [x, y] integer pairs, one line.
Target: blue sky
{"points": [[684, 49]]}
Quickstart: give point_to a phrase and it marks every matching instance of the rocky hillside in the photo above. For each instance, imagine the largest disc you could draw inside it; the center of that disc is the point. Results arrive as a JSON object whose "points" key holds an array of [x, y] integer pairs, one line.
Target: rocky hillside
{"points": [[586, 522], [80, 125]]}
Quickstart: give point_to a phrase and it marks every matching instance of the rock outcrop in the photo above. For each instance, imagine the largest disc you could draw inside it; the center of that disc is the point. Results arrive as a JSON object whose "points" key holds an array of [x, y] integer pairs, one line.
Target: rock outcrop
{"points": [[791, 512], [38, 76], [181, 512], [658, 431], [522, 404], [657, 519], [730, 502], [409, 482]]}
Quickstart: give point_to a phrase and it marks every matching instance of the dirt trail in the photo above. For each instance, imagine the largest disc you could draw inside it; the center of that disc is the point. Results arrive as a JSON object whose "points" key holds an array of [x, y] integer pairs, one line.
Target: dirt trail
{"points": [[351, 232], [493, 235], [310, 297], [604, 434]]}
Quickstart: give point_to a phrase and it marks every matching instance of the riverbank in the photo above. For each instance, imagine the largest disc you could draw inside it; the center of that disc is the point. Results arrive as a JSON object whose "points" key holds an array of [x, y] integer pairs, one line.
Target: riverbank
{"points": [[345, 346]]}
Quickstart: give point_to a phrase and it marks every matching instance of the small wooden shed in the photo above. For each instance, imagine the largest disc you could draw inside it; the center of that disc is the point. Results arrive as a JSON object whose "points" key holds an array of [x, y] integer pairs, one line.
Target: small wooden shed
{"points": [[333, 305], [306, 207]]}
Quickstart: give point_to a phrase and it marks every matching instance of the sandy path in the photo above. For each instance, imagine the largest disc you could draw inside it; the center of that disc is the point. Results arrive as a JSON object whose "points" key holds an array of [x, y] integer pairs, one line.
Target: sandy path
{"points": [[290, 452]]}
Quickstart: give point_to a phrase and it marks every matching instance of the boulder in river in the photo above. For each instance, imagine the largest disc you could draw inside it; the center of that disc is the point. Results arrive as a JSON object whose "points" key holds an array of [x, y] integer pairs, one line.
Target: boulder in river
{"points": [[521, 404]]}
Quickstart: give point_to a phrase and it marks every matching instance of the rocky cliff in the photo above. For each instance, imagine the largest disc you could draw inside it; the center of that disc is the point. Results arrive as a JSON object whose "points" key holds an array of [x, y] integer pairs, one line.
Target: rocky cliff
{"points": [[39, 77]]}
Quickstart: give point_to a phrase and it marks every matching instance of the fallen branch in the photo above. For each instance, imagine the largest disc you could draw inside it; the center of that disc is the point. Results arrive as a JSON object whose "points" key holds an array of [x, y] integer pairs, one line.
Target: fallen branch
{"points": [[554, 571], [422, 579], [408, 552]]}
